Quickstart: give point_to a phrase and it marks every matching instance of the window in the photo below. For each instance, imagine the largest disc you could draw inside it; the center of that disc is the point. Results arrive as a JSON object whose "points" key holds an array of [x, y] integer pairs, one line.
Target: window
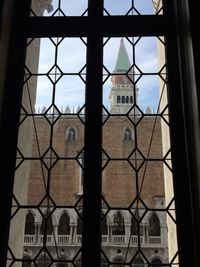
{"points": [[128, 134], [118, 99], [135, 224], [30, 224], [145, 26], [79, 226], [46, 226], [104, 226], [71, 134], [154, 225], [134, 227], [118, 228], [63, 226]]}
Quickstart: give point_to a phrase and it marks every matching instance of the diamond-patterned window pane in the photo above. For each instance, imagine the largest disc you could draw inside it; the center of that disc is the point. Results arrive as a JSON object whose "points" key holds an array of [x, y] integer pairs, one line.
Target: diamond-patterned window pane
{"points": [[132, 7], [138, 214], [59, 8], [49, 169], [137, 178]]}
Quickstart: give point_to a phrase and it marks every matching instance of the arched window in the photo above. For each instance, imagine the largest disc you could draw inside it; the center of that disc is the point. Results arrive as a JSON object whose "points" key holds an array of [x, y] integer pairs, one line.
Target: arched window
{"points": [[79, 226], [26, 261], [134, 227], [128, 134], [157, 262], [118, 99], [138, 262], [154, 225], [46, 226], [118, 228], [131, 99], [104, 227], [63, 226], [123, 99], [127, 99], [71, 134], [29, 224]]}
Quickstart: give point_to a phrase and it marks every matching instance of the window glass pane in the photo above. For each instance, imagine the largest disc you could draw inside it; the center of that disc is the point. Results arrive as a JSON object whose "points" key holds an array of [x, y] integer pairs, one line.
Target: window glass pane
{"points": [[132, 7], [138, 216], [59, 8], [46, 217], [137, 188]]}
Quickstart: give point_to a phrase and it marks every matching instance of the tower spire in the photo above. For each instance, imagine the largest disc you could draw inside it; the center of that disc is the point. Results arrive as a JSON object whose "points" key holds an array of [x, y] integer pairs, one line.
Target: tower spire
{"points": [[122, 90], [123, 63]]}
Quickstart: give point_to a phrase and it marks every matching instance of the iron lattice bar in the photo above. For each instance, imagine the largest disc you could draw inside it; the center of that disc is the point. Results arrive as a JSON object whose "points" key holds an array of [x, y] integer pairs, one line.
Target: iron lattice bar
{"points": [[91, 242], [112, 26], [14, 49]]}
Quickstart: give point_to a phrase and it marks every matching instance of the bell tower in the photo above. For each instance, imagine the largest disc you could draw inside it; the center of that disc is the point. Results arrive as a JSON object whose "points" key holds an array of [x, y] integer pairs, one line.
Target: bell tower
{"points": [[122, 91]]}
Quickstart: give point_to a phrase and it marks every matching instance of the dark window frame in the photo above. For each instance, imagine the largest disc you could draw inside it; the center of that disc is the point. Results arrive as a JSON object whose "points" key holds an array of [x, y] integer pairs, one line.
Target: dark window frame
{"points": [[175, 25]]}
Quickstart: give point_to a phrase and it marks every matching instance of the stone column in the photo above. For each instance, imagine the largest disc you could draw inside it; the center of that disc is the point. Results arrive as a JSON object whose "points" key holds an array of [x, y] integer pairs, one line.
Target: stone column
{"points": [[127, 232], [110, 239], [55, 228], [37, 232], [71, 233], [74, 233]]}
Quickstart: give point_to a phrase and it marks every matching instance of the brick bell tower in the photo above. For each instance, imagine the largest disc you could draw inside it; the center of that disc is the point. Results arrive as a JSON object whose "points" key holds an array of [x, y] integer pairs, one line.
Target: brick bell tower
{"points": [[122, 91]]}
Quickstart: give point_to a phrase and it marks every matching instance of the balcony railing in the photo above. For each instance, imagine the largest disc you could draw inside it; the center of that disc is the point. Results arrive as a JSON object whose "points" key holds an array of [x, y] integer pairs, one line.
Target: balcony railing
{"points": [[29, 239], [134, 240], [63, 239], [154, 240], [78, 239], [118, 239], [113, 240]]}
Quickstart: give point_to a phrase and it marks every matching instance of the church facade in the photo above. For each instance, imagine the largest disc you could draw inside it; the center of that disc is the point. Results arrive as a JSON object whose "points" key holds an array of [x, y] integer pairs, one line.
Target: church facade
{"points": [[134, 227]]}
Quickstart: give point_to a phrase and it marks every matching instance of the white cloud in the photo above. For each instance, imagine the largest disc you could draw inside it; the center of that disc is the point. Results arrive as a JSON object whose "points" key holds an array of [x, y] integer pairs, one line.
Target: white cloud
{"points": [[70, 90], [69, 7], [119, 7]]}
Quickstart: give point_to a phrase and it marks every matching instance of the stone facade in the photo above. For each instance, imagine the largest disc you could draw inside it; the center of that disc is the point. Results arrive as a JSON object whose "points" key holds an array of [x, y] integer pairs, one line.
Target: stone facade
{"points": [[118, 184]]}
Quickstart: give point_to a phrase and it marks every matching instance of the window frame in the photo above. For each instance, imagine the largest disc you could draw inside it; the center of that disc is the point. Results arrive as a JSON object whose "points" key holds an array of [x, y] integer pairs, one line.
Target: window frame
{"points": [[175, 25]]}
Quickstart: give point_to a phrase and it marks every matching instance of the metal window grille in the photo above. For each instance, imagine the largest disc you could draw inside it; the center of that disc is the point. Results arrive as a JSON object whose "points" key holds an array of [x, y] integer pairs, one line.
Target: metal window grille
{"points": [[106, 26]]}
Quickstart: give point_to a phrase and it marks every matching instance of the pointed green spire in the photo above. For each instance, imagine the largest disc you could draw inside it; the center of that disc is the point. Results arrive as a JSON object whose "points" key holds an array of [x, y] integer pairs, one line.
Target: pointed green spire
{"points": [[123, 63]]}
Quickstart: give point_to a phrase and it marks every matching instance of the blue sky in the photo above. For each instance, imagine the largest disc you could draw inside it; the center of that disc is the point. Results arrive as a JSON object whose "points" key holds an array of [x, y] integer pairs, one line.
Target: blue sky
{"points": [[113, 7], [71, 58]]}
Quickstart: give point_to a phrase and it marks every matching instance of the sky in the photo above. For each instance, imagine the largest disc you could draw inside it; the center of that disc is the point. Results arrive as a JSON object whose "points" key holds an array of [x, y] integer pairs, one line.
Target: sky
{"points": [[71, 59], [113, 7]]}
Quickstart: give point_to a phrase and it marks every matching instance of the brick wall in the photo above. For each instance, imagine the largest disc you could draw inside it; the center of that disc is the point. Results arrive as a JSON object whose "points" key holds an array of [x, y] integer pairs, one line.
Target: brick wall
{"points": [[121, 179]]}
